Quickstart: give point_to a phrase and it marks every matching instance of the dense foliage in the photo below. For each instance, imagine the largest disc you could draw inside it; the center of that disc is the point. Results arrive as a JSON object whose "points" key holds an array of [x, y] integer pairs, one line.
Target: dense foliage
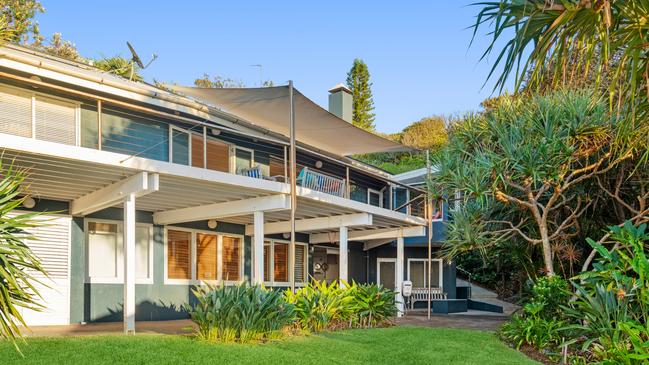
{"points": [[602, 317], [521, 168], [320, 306], [245, 313], [18, 264], [241, 313]]}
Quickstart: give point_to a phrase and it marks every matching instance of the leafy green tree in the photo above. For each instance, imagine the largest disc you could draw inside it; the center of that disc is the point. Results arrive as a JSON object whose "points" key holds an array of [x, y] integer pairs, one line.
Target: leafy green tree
{"points": [[358, 81], [426, 134], [18, 264], [17, 17], [521, 168]]}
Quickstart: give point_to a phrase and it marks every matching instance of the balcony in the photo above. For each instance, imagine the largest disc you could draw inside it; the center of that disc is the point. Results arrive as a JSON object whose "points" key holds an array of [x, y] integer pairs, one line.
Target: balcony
{"points": [[321, 182]]}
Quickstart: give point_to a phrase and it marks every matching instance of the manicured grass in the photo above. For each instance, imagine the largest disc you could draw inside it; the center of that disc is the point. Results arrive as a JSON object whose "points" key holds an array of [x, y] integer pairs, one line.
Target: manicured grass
{"points": [[406, 345]]}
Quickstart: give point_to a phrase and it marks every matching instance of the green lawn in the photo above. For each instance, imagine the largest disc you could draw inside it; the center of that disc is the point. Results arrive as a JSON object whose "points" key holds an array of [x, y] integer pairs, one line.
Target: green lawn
{"points": [[406, 345]]}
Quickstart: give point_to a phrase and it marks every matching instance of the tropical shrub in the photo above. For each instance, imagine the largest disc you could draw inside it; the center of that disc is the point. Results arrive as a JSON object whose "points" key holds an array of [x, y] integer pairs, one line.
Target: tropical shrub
{"points": [[240, 313], [611, 302], [540, 323], [320, 306], [18, 264], [373, 305]]}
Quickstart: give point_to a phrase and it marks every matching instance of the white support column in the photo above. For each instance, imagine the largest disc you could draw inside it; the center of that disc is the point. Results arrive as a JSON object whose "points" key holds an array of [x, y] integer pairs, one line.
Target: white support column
{"points": [[258, 248], [129, 264], [342, 260], [400, 276]]}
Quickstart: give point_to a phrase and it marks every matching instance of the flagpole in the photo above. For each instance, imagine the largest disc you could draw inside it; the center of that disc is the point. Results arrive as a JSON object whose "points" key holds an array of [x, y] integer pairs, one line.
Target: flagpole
{"points": [[429, 216], [292, 153]]}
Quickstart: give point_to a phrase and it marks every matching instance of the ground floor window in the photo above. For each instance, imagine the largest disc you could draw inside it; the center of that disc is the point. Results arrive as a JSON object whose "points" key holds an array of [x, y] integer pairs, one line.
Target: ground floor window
{"points": [[418, 273], [276, 255], [201, 256], [105, 252]]}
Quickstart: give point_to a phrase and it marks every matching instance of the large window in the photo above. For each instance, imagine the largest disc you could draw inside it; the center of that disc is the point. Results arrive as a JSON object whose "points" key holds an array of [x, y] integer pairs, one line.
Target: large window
{"points": [[106, 252], [358, 193], [418, 273], [193, 256], [134, 135], [276, 269]]}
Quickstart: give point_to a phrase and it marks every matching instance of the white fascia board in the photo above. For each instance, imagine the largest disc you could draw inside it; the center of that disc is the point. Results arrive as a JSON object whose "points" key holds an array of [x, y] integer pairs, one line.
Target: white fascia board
{"points": [[316, 224], [352, 204], [45, 148], [139, 184], [370, 234], [222, 210]]}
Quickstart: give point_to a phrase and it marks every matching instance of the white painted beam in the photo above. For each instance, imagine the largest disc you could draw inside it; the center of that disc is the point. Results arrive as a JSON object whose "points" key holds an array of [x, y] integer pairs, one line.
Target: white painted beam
{"points": [[343, 259], [221, 210], [258, 248], [368, 245], [399, 277], [139, 184], [129, 264], [370, 234], [316, 224]]}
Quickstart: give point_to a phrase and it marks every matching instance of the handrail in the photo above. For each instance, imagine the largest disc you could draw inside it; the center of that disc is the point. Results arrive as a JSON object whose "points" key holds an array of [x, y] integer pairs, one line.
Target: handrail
{"points": [[459, 268], [321, 182]]}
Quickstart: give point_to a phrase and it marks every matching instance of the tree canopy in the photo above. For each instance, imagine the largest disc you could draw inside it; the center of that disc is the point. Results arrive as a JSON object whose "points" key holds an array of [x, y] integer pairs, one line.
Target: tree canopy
{"points": [[521, 168], [358, 81]]}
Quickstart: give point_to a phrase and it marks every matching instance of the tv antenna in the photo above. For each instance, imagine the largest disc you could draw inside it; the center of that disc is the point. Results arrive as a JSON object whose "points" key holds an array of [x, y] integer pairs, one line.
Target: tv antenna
{"points": [[136, 60]]}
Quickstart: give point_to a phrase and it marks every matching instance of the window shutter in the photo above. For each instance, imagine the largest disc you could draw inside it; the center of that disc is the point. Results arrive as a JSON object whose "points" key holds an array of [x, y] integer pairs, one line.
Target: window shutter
{"points": [[218, 155], [267, 261], [206, 256], [178, 254], [231, 262], [281, 262], [300, 255], [56, 121], [15, 112], [197, 150]]}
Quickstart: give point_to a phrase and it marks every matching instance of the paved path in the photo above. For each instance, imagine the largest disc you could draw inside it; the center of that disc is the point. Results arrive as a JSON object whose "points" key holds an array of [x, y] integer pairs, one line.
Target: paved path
{"points": [[473, 322], [484, 295]]}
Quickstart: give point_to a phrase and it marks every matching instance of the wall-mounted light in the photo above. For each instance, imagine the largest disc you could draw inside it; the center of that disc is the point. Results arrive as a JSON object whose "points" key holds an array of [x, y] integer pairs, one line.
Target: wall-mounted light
{"points": [[35, 78], [318, 164], [212, 223], [29, 202], [286, 235], [215, 132]]}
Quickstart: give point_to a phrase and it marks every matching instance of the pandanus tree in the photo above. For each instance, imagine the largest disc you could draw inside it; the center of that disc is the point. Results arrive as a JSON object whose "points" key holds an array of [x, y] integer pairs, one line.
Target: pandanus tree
{"points": [[602, 45], [520, 168]]}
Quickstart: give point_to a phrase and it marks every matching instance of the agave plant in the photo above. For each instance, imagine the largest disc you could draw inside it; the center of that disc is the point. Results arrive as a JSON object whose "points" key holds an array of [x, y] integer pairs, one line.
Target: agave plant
{"points": [[18, 264]]}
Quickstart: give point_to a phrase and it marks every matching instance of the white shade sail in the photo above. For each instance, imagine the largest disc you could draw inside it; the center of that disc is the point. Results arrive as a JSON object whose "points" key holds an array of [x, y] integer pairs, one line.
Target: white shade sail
{"points": [[269, 108]]}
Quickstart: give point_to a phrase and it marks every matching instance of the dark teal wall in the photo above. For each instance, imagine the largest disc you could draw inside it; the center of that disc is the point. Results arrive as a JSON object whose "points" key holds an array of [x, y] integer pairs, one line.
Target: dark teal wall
{"points": [[157, 301], [390, 251]]}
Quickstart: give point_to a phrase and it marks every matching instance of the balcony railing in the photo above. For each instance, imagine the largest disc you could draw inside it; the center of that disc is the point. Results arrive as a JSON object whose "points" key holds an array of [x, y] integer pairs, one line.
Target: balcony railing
{"points": [[321, 182]]}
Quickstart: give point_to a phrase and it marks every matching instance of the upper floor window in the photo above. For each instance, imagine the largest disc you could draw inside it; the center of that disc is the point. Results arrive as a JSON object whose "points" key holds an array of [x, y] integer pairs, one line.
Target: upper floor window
{"points": [[374, 197], [180, 146], [134, 135], [244, 159]]}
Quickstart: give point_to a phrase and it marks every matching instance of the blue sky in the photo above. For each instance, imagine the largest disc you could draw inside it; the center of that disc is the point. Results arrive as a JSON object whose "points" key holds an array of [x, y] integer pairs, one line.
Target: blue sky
{"points": [[417, 51]]}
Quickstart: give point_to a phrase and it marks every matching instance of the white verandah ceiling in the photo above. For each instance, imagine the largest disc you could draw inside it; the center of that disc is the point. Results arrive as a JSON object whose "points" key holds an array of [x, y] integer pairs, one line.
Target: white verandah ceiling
{"points": [[66, 173]]}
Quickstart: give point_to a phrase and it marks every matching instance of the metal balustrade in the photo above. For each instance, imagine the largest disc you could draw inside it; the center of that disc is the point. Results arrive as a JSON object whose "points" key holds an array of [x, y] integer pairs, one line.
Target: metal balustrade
{"points": [[321, 182]]}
